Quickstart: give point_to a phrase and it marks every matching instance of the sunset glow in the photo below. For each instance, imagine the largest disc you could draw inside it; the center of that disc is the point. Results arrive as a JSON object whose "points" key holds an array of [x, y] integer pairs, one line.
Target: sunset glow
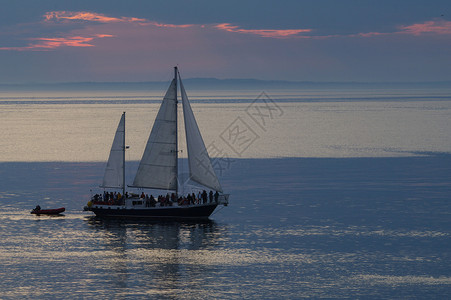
{"points": [[86, 16], [43, 44], [272, 33], [49, 43], [101, 18], [431, 27], [293, 41]]}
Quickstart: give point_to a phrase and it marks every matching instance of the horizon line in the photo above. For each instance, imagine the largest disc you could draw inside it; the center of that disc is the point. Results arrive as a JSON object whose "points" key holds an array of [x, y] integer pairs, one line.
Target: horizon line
{"points": [[224, 80]]}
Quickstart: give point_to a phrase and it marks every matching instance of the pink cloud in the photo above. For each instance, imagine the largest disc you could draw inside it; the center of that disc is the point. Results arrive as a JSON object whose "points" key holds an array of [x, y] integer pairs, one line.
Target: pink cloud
{"points": [[45, 44], [435, 27], [431, 27], [368, 34], [94, 20], [271, 33], [120, 27], [86, 16], [51, 43], [167, 25], [101, 18]]}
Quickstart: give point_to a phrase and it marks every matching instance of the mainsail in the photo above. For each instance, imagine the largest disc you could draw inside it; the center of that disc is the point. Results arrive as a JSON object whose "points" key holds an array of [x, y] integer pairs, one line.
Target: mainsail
{"points": [[201, 169], [158, 166], [114, 171]]}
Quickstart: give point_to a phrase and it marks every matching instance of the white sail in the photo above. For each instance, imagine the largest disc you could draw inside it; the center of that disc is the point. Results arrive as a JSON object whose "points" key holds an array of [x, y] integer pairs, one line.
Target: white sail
{"points": [[114, 171], [158, 166], [201, 169]]}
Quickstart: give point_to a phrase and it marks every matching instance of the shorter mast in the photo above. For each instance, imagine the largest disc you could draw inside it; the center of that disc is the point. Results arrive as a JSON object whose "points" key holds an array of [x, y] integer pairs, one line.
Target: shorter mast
{"points": [[123, 162], [176, 138]]}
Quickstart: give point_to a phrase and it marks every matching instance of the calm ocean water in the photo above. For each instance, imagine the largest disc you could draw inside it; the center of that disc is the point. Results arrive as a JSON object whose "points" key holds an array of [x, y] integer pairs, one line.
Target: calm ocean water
{"points": [[336, 194]]}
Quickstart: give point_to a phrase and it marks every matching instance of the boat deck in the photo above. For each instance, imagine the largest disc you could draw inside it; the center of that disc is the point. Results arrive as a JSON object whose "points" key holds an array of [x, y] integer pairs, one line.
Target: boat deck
{"points": [[139, 208]]}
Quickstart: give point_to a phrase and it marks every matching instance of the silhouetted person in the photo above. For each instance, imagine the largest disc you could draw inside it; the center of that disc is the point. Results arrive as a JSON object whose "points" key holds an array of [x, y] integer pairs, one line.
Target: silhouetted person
{"points": [[204, 196]]}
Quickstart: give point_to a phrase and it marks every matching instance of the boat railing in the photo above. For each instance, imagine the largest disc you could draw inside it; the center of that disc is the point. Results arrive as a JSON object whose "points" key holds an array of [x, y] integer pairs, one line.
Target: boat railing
{"points": [[143, 202]]}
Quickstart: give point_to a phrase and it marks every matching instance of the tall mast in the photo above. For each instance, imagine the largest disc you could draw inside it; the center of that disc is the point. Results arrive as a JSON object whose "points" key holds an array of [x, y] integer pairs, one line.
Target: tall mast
{"points": [[176, 137], [123, 163]]}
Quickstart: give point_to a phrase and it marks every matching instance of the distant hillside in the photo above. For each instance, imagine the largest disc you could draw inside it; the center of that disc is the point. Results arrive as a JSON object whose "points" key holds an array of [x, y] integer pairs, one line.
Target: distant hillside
{"points": [[214, 84]]}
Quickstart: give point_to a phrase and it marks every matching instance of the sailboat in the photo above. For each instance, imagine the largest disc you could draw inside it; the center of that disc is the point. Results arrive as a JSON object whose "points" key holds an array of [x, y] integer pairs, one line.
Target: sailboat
{"points": [[158, 170]]}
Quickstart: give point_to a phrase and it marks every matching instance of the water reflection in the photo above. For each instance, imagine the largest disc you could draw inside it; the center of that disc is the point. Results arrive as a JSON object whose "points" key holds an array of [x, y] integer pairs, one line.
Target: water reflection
{"points": [[161, 253], [156, 234]]}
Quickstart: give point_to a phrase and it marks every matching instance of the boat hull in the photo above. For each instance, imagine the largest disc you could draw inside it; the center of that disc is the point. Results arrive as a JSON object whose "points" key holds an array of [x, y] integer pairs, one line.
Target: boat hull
{"points": [[55, 211], [167, 212]]}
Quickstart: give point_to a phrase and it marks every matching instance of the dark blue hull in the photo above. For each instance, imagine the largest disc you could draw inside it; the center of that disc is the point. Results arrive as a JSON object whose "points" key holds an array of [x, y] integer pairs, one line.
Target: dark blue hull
{"points": [[170, 212]]}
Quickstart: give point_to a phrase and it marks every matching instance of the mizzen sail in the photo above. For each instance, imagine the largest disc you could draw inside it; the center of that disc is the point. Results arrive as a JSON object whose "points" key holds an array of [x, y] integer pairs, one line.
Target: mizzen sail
{"points": [[114, 171], [201, 169], [158, 166]]}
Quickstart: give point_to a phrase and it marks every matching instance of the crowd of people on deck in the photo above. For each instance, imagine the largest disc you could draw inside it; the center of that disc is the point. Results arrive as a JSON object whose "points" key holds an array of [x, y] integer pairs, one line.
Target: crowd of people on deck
{"points": [[109, 198], [115, 198]]}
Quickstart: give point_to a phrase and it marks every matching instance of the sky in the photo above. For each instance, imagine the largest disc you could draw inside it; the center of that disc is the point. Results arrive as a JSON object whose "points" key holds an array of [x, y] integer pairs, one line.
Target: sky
{"points": [[300, 40]]}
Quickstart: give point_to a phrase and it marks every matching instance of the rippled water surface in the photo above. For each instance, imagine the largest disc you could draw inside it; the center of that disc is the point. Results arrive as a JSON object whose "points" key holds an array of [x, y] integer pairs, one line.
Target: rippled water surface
{"points": [[299, 227], [338, 194]]}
